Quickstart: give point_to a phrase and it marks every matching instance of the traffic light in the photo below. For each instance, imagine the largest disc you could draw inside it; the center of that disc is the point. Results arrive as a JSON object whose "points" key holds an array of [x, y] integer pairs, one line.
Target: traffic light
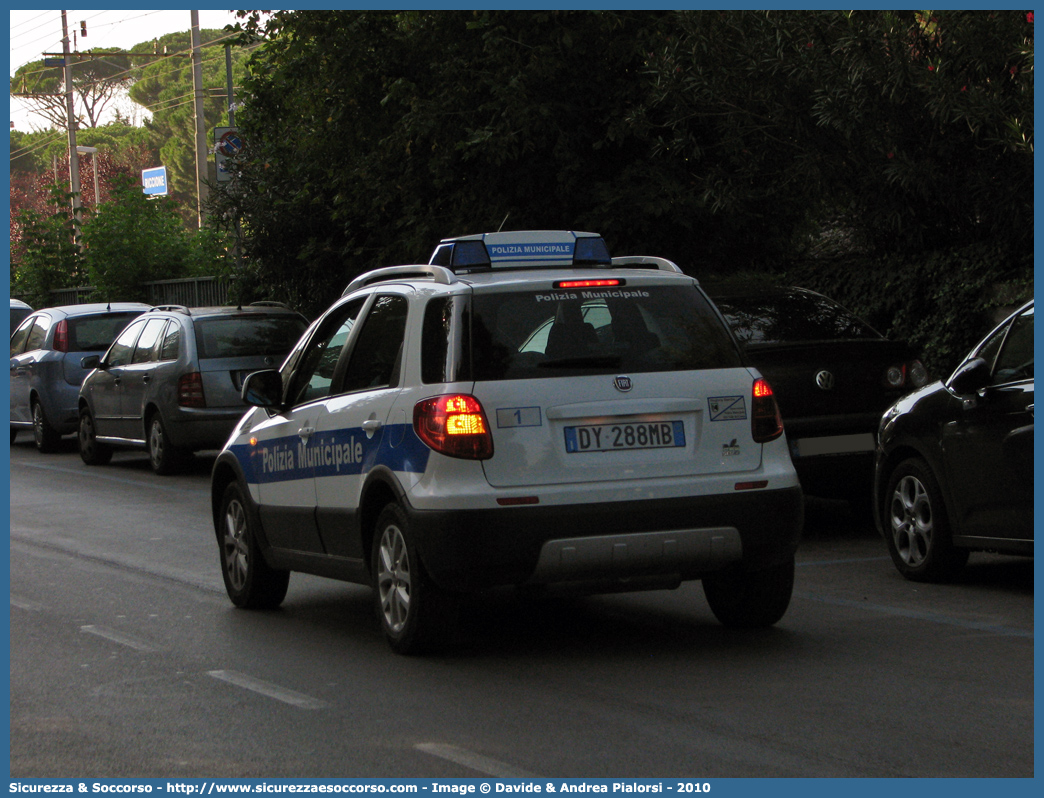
{"points": [[83, 28]]}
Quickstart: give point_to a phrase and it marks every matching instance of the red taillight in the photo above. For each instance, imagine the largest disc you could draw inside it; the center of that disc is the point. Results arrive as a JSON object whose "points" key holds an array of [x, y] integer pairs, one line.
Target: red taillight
{"points": [[454, 425], [61, 336], [765, 422], [190, 390], [588, 283]]}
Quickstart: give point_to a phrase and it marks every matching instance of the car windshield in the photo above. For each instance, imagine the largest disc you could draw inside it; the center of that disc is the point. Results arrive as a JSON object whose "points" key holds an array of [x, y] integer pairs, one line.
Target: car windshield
{"points": [[791, 317], [540, 334], [95, 333], [246, 335]]}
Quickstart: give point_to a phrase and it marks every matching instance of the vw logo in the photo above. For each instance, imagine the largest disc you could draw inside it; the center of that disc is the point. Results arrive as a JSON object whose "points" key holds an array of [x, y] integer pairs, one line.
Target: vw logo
{"points": [[622, 384], [825, 380], [268, 360]]}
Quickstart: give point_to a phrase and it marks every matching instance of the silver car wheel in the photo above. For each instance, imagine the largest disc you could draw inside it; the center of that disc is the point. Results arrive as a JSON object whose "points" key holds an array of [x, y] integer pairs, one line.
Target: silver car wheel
{"points": [[235, 547], [156, 442], [911, 519], [393, 578]]}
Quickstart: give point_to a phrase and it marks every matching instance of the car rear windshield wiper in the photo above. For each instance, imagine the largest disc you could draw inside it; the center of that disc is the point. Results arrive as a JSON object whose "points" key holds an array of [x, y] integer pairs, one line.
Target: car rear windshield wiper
{"points": [[592, 361]]}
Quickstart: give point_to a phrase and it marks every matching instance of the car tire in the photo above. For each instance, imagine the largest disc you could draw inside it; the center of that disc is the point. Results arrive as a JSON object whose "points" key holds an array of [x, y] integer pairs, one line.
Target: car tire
{"points": [[917, 526], [415, 614], [743, 599], [91, 452], [46, 437], [249, 580], [164, 457]]}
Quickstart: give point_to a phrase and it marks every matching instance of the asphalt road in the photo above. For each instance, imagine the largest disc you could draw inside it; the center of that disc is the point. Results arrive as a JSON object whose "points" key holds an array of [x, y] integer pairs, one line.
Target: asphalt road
{"points": [[128, 660]]}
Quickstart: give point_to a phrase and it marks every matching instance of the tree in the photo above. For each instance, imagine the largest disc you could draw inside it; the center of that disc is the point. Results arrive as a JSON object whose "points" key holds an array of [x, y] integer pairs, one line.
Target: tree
{"points": [[371, 135], [99, 76], [165, 88], [914, 130], [45, 255], [132, 240]]}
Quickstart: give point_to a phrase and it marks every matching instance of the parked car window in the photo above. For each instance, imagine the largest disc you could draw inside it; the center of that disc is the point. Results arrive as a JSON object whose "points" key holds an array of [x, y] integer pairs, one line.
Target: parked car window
{"points": [[122, 348], [1015, 361], [239, 336], [95, 333], [377, 355], [313, 380], [796, 316], [171, 342], [145, 349], [38, 333], [20, 336]]}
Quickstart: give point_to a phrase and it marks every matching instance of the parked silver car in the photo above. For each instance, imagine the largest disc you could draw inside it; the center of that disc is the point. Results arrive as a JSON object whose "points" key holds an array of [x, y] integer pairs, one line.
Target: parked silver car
{"points": [[46, 350], [171, 382]]}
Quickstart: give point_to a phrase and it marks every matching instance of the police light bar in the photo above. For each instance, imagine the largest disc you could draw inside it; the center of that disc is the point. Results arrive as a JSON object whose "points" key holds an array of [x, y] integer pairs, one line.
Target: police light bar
{"points": [[527, 249]]}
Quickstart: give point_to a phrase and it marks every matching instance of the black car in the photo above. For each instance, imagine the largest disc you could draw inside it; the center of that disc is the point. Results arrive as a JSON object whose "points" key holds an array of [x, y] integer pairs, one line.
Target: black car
{"points": [[832, 374], [954, 463]]}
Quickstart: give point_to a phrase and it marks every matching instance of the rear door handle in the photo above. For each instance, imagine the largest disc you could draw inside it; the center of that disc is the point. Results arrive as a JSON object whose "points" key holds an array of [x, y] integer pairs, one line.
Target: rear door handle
{"points": [[306, 432], [372, 425], [146, 378]]}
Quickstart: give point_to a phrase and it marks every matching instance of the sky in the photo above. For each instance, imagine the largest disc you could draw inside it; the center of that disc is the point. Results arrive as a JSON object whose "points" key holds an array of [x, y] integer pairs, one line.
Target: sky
{"points": [[35, 32]]}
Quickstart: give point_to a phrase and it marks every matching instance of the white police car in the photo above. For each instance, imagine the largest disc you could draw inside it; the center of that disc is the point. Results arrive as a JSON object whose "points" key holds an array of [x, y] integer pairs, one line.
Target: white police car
{"points": [[523, 410]]}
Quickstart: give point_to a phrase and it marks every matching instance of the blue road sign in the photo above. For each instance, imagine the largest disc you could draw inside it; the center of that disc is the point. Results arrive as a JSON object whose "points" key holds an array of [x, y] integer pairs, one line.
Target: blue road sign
{"points": [[154, 181]]}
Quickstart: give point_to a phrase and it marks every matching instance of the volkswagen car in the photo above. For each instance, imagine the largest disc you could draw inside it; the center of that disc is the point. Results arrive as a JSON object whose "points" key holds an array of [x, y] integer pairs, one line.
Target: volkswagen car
{"points": [[833, 375]]}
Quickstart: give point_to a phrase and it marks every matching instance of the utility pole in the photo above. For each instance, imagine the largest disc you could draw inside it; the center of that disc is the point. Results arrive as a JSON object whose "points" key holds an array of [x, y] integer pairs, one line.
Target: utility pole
{"points": [[228, 86], [74, 158], [201, 131]]}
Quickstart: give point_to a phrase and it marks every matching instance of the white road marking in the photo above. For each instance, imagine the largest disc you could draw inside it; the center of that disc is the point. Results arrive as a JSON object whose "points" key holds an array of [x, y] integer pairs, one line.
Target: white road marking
{"points": [[26, 604], [268, 689], [476, 762], [117, 637]]}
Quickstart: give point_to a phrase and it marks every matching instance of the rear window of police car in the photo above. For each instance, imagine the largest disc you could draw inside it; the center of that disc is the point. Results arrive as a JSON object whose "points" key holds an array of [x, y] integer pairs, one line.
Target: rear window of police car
{"points": [[539, 334]]}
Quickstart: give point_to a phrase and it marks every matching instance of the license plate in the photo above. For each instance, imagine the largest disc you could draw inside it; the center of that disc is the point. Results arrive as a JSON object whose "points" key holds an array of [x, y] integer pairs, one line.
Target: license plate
{"points": [[621, 437], [833, 444]]}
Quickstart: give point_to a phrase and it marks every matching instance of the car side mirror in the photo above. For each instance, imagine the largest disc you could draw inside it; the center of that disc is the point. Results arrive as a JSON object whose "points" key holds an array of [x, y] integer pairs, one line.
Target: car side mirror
{"points": [[90, 362], [263, 388], [971, 377]]}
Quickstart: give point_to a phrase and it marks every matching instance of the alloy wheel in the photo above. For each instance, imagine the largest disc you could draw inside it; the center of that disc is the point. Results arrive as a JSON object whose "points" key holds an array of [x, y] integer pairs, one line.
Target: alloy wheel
{"points": [[235, 546], [911, 520], [393, 578]]}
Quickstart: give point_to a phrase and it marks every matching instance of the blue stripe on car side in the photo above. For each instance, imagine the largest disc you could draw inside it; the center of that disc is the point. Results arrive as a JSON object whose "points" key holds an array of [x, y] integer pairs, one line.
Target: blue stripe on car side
{"points": [[342, 452]]}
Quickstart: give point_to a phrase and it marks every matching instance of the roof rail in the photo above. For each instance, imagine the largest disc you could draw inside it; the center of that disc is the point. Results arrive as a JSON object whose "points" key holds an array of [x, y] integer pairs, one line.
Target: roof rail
{"points": [[647, 262], [439, 274], [172, 309]]}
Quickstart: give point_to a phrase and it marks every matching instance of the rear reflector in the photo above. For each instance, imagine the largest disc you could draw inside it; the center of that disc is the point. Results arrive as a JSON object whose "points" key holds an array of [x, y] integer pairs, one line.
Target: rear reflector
{"points": [[752, 485], [514, 501]]}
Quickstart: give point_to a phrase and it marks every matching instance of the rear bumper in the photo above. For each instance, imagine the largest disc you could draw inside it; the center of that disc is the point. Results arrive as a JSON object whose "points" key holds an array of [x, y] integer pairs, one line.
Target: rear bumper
{"points": [[834, 456], [611, 542], [202, 428]]}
